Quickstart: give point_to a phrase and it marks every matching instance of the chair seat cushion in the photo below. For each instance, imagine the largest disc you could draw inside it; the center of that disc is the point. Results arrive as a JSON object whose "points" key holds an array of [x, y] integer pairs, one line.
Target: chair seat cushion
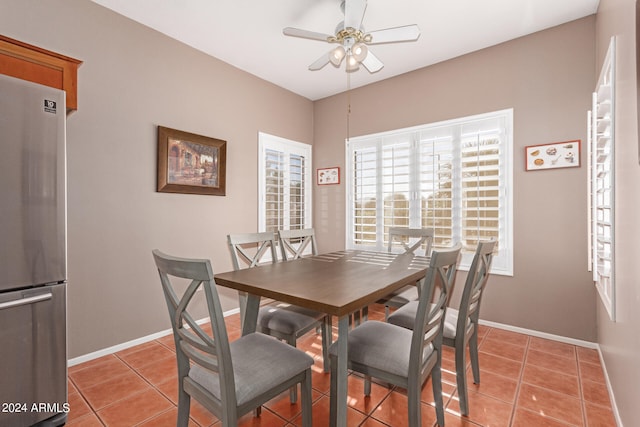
{"points": [[405, 317], [381, 346], [287, 319], [259, 363]]}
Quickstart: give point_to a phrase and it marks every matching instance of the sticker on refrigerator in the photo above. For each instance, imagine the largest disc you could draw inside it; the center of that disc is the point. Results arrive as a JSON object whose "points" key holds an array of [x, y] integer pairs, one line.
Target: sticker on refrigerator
{"points": [[50, 106]]}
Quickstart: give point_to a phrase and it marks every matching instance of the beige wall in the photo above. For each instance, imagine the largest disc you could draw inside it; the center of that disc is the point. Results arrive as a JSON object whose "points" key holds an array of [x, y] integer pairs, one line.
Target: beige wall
{"points": [[620, 340], [132, 80], [547, 78]]}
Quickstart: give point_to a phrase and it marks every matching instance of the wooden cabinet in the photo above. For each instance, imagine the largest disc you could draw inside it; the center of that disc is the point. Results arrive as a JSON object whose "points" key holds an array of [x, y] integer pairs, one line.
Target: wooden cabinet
{"points": [[27, 62]]}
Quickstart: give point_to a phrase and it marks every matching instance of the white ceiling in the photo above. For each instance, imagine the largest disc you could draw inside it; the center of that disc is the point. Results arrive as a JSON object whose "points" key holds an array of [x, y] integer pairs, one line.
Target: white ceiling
{"points": [[248, 33]]}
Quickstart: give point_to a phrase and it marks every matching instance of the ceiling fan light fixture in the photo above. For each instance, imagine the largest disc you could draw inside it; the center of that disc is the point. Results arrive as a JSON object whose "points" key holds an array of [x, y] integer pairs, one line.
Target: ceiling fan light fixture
{"points": [[352, 64], [337, 55], [359, 51]]}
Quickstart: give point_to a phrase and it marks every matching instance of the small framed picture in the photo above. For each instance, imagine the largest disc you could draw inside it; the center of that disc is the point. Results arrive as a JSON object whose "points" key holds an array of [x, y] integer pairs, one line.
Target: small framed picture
{"points": [[328, 176], [551, 156]]}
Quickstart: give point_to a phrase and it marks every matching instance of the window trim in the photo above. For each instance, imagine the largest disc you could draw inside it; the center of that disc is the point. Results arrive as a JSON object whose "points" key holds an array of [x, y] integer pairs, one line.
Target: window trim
{"points": [[502, 263]]}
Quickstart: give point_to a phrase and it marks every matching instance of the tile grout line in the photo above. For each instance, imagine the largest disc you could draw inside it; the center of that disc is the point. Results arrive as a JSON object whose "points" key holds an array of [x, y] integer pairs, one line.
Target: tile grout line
{"points": [[581, 392], [520, 378]]}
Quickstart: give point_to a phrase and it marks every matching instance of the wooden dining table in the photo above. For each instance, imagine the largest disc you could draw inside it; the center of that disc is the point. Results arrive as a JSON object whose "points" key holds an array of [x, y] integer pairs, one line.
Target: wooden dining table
{"points": [[336, 283]]}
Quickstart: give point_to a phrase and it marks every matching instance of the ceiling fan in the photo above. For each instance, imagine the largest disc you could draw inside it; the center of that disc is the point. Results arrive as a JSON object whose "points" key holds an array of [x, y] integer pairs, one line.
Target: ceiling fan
{"points": [[353, 40]]}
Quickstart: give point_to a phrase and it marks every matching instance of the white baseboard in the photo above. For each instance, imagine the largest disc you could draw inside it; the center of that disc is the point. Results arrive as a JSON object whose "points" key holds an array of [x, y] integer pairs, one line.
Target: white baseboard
{"points": [[119, 347], [614, 407], [538, 334]]}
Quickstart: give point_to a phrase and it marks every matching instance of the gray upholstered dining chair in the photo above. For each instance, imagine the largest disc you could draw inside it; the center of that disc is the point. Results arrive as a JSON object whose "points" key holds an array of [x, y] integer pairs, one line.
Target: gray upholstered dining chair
{"points": [[229, 379], [460, 326], [411, 240], [404, 357], [283, 321]]}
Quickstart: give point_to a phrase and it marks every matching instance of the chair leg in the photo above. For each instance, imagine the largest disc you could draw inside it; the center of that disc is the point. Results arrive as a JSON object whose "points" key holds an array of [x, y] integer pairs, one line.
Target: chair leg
{"points": [[356, 318], [305, 391], [461, 378], [326, 342], [333, 388], [436, 384], [473, 352], [230, 419], [184, 404], [386, 313], [367, 385], [415, 416], [293, 391], [242, 299]]}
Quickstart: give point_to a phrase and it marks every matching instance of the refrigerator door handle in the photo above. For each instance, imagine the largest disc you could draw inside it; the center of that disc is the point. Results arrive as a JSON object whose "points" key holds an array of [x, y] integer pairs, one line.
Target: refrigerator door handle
{"points": [[25, 301]]}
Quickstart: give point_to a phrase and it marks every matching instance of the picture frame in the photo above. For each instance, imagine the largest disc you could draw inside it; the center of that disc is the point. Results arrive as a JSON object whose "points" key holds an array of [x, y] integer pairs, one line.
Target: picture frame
{"points": [[328, 176], [190, 163], [565, 154]]}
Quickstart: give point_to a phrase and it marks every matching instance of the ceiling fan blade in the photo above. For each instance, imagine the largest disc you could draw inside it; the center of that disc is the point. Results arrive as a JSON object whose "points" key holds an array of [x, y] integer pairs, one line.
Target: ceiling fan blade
{"points": [[296, 32], [372, 63], [405, 33], [354, 13], [320, 62]]}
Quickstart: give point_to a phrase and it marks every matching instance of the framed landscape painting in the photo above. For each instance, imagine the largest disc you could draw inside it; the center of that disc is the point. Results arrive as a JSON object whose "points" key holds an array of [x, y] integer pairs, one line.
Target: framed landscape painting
{"points": [[190, 163]]}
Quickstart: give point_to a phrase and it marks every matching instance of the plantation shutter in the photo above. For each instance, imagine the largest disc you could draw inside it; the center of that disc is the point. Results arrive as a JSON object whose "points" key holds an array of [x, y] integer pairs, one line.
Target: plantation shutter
{"points": [[395, 190], [364, 199], [452, 176], [436, 185], [284, 184], [480, 183], [274, 190], [602, 185], [297, 192]]}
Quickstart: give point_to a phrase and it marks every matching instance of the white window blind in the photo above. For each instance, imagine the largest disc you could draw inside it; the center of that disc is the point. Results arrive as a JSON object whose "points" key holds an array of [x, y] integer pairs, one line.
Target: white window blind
{"points": [[601, 188], [454, 177], [284, 184]]}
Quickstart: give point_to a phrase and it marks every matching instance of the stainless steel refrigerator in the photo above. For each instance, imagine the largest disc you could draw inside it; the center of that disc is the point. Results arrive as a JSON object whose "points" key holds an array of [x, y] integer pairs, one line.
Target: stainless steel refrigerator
{"points": [[33, 249]]}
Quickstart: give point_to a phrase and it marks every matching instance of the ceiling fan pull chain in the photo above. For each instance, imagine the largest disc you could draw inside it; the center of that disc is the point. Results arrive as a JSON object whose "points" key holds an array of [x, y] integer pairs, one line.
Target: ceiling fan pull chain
{"points": [[348, 102]]}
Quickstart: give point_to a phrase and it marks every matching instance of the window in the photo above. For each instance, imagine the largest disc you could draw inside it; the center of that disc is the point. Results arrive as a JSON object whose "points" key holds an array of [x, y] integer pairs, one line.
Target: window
{"points": [[453, 176], [284, 184]]}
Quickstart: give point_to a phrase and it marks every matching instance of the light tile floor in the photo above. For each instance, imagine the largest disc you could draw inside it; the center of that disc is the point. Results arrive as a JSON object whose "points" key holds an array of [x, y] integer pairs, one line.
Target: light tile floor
{"points": [[525, 381]]}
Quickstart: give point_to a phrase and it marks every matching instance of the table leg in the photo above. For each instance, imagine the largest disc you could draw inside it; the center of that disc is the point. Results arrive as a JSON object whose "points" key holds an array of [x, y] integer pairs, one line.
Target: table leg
{"points": [[242, 299], [339, 406], [250, 314]]}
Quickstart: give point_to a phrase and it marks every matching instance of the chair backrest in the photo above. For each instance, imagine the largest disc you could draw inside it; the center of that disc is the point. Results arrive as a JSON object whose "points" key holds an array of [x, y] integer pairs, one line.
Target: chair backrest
{"points": [[193, 344], [411, 239], [474, 285], [250, 248], [434, 297], [293, 243]]}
